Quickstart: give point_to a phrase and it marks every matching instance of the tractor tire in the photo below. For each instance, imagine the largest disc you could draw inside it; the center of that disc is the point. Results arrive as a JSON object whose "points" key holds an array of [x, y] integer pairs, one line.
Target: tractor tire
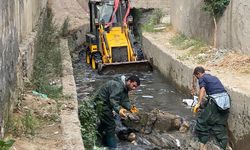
{"points": [[99, 68], [139, 52], [93, 63], [87, 58]]}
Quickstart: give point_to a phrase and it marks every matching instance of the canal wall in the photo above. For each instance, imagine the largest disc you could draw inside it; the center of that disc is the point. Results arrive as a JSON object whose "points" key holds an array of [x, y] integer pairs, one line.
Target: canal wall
{"points": [[70, 123], [181, 74], [78, 25], [233, 27], [18, 23]]}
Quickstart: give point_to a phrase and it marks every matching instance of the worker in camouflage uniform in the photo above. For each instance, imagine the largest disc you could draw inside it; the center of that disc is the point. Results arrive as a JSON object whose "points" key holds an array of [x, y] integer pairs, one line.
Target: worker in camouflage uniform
{"points": [[213, 117], [113, 96]]}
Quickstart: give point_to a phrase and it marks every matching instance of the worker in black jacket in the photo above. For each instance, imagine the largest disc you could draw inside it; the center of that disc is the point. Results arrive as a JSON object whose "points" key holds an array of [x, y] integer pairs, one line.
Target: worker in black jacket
{"points": [[113, 96]]}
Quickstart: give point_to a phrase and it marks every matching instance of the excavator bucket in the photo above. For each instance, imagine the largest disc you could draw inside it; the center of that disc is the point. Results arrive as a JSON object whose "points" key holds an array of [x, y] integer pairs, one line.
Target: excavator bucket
{"points": [[125, 67]]}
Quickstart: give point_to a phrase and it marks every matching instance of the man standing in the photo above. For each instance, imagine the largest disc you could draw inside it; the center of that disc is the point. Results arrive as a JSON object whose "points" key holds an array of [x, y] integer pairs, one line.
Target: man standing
{"points": [[113, 96], [213, 118]]}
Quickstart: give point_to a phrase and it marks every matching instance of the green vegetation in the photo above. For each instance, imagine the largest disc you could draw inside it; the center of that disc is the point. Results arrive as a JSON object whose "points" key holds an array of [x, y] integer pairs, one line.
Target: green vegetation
{"points": [[23, 124], [6, 145], [30, 123], [88, 119], [71, 43], [194, 47], [47, 64], [47, 68], [179, 40], [182, 42], [137, 14], [65, 27], [153, 20], [216, 9]]}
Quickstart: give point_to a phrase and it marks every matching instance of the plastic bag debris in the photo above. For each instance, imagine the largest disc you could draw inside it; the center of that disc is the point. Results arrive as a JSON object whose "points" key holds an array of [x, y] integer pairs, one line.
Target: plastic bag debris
{"points": [[188, 102], [40, 94], [191, 102], [147, 96], [178, 143]]}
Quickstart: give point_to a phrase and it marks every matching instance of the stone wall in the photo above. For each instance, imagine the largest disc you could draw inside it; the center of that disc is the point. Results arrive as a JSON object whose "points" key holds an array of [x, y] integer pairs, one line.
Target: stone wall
{"points": [[233, 27], [76, 11], [17, 23], [84, 4]]}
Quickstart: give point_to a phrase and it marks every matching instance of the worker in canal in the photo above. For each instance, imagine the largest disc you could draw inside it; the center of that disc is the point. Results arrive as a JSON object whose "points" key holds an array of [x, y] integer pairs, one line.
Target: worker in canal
{"points": [[113, 97], [213, 115]]}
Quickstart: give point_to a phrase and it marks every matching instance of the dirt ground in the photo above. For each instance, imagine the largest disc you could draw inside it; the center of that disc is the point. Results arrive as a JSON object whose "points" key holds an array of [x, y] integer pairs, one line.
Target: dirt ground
{"points": [[71, 9], [230, 60], [36, 124], [232, 67]]}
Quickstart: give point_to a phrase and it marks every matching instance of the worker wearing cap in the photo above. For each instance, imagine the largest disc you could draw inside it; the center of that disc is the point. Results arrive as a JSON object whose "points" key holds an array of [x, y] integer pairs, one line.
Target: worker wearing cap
{"points": [[213, 118], [113, 96]]}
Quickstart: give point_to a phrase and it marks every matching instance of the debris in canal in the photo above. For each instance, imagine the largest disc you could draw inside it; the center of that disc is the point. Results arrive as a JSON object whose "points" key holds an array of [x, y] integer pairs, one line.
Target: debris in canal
{"points": [[147, 96], [188, 102], [150, 89], [178, 143]]}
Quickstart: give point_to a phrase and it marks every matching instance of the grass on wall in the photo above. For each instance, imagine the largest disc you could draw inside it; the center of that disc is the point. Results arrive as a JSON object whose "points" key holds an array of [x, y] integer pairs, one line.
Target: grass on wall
{"points": [[194, 47], [182, 42], [153, 20], [47, 64]]}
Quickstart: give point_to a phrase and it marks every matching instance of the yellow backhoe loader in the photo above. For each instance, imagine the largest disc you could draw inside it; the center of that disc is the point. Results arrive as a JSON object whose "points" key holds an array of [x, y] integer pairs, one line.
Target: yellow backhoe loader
{"points": [[110, 44]]}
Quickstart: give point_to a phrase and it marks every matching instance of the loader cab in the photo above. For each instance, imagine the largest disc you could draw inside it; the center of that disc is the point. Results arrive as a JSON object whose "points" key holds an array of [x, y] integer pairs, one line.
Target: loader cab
{"points": [[101, 13], [104, 13]]}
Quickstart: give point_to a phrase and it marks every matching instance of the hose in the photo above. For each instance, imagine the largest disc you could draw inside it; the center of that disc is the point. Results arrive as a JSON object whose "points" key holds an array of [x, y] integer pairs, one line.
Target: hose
{"points": [[127, 13]]}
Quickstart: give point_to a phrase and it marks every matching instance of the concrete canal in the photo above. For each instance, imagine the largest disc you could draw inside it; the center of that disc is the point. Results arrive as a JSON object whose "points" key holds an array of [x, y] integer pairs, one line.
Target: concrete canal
{"points": [[155, 91]]}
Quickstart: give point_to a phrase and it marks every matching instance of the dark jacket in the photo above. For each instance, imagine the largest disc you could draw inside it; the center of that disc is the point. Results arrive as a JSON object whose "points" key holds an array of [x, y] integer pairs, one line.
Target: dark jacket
{"points": [[114, 95]]}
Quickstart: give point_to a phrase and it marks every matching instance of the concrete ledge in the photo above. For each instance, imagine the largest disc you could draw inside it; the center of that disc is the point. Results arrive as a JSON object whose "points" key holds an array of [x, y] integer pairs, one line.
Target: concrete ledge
{"points": [[70, 121], [181, 74]]}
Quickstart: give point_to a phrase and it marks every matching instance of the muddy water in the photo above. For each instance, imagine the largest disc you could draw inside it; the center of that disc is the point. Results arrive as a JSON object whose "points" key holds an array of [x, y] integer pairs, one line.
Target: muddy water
{"points": [[155, 91]]}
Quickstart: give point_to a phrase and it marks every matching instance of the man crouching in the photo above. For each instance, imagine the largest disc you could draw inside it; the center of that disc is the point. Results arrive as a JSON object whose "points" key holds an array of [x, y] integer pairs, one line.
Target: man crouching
{"points": [[113, 96]]}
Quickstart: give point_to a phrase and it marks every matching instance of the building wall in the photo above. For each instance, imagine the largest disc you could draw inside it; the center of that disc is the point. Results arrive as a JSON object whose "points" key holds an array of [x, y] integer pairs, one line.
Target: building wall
{"points": [[233, 27], [18, 19]]}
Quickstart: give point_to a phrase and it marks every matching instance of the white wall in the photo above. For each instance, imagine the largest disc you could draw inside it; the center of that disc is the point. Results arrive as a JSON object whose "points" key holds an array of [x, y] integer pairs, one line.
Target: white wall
{"points": [[233, 27]]}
